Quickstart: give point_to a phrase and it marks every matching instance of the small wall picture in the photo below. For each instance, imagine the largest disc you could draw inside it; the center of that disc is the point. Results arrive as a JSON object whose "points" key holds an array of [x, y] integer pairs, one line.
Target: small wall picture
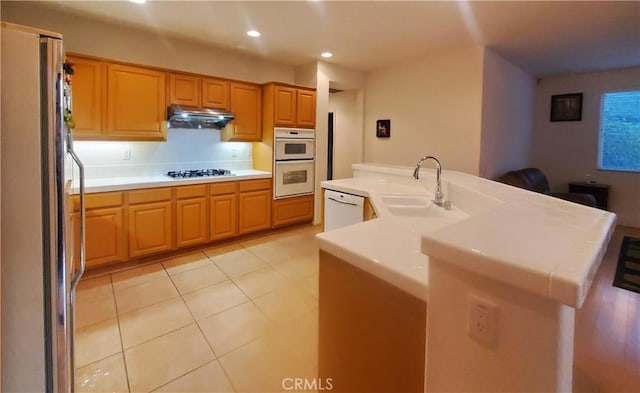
{"points": [[383, 128], [566, 107]]}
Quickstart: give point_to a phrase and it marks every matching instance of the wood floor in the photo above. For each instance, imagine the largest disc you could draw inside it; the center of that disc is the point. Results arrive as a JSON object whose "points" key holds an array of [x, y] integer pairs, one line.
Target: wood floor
{"points": [[607, 340]]}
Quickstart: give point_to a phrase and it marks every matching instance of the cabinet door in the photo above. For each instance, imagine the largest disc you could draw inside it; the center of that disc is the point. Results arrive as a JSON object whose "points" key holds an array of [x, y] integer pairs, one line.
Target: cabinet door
{"points": [[284, 106], [136, 103], [306, 108], [255, 211], [149, 228], [184, 90], [191, 227], [223, 222], [215, 94], [292, 210], [88, 97], [105, 240], [246, 103]]}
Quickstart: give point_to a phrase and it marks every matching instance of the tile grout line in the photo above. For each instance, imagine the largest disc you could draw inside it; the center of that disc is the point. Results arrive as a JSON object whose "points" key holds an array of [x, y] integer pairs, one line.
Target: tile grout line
{"points": [[195, 322], [124, 358], [216, 358]]}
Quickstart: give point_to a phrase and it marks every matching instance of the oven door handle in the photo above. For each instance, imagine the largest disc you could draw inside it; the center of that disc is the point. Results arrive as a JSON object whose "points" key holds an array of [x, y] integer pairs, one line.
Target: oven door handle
{"points": [[298, 140], [285, 162]]}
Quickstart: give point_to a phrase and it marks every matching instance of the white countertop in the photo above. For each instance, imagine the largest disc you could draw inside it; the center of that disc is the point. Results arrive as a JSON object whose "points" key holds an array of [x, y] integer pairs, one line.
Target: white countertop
{"points": [[541, 244], [137, 182]]}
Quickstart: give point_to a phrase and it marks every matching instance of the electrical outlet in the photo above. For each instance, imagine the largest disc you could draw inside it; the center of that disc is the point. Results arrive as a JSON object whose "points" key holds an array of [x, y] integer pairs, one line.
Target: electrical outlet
{"points": [[126, 154], [482, 320], [234, 152]]}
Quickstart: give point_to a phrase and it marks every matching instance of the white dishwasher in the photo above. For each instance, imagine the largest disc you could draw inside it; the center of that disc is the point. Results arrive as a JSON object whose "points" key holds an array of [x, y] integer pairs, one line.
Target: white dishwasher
{"points": [[341, 209]]}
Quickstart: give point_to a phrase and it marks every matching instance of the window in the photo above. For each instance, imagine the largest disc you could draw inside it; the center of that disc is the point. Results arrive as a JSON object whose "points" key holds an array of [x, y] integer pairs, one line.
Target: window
{"points": [[619, 148]]}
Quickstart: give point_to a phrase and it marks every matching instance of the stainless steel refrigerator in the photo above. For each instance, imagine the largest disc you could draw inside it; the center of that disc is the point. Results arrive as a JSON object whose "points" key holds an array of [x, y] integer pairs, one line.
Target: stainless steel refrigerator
{"points": [[38, 271]]}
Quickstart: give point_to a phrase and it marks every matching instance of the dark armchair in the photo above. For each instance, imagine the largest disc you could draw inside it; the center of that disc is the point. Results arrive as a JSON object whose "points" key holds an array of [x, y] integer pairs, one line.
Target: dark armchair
{"points": [[533, 179]]}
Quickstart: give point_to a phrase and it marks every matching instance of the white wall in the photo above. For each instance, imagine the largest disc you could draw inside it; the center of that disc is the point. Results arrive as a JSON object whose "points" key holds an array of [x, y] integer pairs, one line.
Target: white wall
{"points": [[568, 151], [507, 117], [92, 37], [184, 149], [347, 131], [434, 104], [322, 75]]}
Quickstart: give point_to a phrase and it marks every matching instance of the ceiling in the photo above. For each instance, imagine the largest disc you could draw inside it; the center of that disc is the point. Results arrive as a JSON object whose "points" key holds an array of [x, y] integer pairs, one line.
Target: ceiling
{"points": [[543, 38]]}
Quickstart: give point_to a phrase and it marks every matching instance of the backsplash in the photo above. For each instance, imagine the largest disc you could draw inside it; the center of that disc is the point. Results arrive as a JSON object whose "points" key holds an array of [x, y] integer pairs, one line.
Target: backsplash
{"points": [[184, 149]]}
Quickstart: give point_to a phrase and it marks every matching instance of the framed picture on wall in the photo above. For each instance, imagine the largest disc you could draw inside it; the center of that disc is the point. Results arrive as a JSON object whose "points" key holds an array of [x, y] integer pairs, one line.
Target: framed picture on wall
{"points": [[566, 107], [383, 128]]}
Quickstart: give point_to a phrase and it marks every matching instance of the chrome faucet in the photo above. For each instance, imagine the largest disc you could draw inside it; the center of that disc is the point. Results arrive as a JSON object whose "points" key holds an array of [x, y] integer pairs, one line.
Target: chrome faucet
{"points": [[439, 197]]}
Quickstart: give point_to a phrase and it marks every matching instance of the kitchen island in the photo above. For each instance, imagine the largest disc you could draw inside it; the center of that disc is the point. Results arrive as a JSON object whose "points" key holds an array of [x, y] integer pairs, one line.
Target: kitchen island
{"points": [[503, 272]]}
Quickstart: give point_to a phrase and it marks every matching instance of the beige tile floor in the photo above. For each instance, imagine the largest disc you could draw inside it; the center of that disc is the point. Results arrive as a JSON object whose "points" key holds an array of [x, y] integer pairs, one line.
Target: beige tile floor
{"points": [[233, 318], [242, 317]]}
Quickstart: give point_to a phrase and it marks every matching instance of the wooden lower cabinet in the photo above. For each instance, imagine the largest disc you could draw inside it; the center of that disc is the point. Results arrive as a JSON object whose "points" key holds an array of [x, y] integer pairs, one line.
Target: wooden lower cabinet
{"points": [[105, 234], [223, 210], [292, 210], [127, 225], [105, 239], [255, 211], [150, 228], [191, 215], [223, 221], [254, 205], [191, 225]]}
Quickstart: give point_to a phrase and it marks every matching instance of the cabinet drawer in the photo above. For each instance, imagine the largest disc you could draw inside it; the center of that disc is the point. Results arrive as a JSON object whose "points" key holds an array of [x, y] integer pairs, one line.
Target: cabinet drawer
{"points": [[224, 188], [150, 195], [191, 191], [102, 199], [292, 210], [254, 185]]}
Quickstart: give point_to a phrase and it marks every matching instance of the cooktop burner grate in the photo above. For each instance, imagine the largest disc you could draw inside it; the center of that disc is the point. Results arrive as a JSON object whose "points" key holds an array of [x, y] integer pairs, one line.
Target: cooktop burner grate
{"points": [[199, 173]]}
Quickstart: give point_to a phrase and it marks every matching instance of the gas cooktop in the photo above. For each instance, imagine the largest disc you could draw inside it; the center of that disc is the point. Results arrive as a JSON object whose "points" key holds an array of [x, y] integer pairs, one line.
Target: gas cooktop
{"points": [[200, 173]]}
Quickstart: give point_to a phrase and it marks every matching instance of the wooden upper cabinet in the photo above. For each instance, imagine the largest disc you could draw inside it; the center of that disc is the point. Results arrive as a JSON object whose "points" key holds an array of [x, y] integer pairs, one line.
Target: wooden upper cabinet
{"points": [[88, 94], [289, 106], [198, 92], [285, 106], [306, 111], [215, 93], [184, 90], [136, 103], [246, 103]]}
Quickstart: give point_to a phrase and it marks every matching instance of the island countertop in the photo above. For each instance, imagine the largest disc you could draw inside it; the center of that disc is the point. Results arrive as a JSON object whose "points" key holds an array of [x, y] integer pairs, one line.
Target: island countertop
{"points": [[541, 244]]}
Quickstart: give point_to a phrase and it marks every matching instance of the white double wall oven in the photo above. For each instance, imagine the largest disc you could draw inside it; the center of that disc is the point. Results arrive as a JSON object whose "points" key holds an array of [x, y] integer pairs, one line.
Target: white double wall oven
{"points": [[294, 162]]}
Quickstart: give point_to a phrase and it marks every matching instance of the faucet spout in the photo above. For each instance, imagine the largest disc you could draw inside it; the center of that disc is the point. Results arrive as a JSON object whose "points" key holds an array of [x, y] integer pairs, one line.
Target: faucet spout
{"points": [[438, 196]]}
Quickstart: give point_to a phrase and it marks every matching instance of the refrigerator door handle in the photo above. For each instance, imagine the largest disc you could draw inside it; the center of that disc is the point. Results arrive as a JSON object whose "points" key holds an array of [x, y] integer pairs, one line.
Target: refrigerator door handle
{"points": [[78, 274]]}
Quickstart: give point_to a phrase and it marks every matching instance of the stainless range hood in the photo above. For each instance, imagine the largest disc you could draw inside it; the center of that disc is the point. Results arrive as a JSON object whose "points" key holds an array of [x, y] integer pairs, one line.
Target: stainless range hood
{"points": [[187, 117]]}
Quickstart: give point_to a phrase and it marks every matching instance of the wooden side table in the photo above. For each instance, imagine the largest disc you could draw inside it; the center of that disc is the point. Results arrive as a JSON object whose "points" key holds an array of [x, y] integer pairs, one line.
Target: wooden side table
{"points": [[598, 190]]}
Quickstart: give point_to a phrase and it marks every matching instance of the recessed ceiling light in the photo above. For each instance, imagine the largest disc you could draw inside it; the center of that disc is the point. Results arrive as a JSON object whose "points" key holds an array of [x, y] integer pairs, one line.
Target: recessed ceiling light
{"points": [[138, 1], [326, 54], [253, 33]]}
